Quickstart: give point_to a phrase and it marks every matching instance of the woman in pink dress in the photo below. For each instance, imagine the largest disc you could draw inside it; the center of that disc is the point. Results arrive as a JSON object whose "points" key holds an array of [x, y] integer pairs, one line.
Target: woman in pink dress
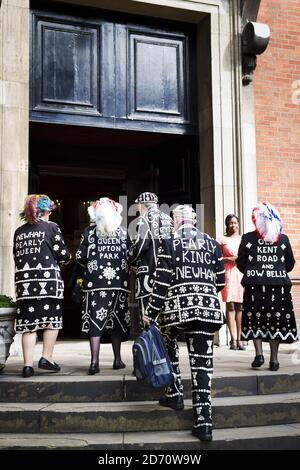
{"points": [[232, 293]]}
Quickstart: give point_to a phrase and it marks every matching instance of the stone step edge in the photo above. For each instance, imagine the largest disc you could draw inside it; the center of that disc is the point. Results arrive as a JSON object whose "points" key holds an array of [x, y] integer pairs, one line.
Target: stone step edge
{"points": [[281, 398], [125, 389], [283, 436], [45, 378]]}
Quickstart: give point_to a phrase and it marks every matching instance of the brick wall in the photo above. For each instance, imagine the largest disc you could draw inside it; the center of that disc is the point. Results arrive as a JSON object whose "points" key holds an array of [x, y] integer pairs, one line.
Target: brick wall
{"points": [[277, 101]]}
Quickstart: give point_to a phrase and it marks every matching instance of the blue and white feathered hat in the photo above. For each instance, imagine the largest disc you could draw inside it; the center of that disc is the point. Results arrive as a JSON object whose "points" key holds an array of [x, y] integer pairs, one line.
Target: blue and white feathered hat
{"points": [[267, 222]]}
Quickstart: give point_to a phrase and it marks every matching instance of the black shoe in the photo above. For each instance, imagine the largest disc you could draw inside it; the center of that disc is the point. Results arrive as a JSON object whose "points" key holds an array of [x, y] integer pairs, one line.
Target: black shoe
{"points": [[27, 371], [204, 433], [258, 361], [119, 365], [47, 365], [176, 403], [273, 366], [93, 369]]}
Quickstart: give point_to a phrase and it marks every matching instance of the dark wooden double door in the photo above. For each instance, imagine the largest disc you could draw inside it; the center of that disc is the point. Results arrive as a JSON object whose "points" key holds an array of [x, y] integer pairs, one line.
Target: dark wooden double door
{"points": [[90, 67]]}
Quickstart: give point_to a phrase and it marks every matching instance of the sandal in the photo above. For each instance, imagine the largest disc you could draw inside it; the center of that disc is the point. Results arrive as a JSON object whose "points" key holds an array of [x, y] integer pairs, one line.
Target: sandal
{"points": [[240, 346], [233, 345]]}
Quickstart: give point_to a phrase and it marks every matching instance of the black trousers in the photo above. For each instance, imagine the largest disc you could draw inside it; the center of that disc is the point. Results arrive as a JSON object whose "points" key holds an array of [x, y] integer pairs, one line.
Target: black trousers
{"points": [[200, 348], [143, 303]]}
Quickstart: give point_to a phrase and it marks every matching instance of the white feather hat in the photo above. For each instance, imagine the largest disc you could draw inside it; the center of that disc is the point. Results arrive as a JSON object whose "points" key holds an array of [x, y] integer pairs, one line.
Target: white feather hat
{"points": [[107, 215]]}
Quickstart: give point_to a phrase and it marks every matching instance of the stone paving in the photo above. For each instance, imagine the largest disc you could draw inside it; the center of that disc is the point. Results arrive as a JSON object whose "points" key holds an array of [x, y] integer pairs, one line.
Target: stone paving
{"points": [[74, 358]]}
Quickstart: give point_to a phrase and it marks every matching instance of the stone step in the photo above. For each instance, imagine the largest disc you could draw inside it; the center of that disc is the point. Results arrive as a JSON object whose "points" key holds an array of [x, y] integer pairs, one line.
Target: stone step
{"points": [[228, 412], [277, 437], [101, 388]]}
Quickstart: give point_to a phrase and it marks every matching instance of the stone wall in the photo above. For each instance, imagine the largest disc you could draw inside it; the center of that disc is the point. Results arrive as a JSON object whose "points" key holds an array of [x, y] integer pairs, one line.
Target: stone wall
{"points": [[14, 90]]}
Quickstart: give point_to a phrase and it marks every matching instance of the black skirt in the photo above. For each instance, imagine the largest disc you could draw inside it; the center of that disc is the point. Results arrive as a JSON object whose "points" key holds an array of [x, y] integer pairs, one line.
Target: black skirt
{"points": [[38, 314], [268, 314], [105, 313]]}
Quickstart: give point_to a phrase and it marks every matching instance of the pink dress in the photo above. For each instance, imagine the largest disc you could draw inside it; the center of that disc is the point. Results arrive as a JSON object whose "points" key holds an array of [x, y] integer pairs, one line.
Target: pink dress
{"points": [[233, 290]]}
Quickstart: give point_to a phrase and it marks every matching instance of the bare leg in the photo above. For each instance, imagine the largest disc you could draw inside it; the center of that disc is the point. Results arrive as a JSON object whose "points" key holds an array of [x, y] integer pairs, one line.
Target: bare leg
{"points": [[238, 322], [274, 346], [28, 344], [95, 349], [230, 317], [49, 340]]}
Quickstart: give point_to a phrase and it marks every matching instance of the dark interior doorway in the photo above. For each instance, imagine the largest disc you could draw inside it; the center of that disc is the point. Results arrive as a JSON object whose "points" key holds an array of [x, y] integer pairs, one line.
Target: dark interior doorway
{"points": [[75, 165]]}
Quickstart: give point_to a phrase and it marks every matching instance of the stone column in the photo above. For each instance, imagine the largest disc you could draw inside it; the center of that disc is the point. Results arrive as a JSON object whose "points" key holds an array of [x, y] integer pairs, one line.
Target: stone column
{"points": [[245, 137], [14, 120]]}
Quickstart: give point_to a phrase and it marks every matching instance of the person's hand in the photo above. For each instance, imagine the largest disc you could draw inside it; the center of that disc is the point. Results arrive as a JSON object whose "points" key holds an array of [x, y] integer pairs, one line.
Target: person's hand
{"points": [[146, 319], [229, 259]]}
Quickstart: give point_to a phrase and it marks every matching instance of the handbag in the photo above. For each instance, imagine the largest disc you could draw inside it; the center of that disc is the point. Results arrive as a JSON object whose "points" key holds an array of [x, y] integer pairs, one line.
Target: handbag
{"points": [[151, 363], [77, 294]]}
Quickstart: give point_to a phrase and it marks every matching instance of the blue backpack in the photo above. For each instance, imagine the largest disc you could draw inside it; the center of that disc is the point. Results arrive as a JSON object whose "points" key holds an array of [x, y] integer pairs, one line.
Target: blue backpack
{"points": [[151, 363]]}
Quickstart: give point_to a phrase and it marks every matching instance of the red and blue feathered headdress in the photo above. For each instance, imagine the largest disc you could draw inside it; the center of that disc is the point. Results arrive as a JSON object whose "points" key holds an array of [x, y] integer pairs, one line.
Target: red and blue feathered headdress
{"points": [[267, 222], [35, 206]]}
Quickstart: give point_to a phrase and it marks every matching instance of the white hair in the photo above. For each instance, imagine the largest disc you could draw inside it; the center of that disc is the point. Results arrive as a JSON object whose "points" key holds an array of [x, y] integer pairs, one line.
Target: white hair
{"points": [[185, 212], [107, 215]]}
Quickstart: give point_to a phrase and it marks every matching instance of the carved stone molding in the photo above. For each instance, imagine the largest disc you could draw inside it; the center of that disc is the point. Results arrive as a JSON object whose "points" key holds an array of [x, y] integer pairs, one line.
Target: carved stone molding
{"points": [[7, 333]]}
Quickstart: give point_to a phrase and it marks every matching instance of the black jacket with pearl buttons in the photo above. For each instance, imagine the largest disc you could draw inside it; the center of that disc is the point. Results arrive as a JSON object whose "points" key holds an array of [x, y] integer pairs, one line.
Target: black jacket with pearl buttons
{"points": [[264, 263], [105, 260], [189, 275], [38, 251]]}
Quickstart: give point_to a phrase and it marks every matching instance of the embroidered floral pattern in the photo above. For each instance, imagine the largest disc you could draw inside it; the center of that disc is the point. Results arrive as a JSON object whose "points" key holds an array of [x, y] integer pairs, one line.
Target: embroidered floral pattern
{"points": [[109, 273], [101, 313]]}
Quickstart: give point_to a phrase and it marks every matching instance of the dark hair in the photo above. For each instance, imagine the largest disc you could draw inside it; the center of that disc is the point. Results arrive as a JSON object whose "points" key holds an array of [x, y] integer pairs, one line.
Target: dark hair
{"points": [[228, 219]]}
